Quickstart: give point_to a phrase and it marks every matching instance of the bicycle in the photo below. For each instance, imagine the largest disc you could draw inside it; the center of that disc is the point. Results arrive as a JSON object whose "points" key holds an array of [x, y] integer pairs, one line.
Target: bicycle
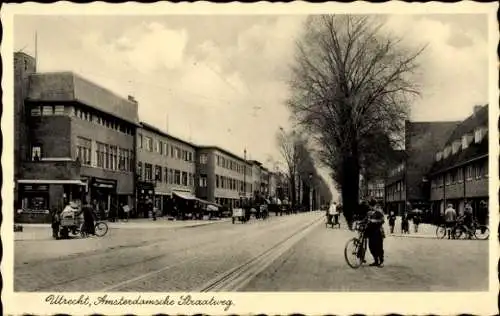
{"points": [[474, 231], [330, 221], [357, 246]]}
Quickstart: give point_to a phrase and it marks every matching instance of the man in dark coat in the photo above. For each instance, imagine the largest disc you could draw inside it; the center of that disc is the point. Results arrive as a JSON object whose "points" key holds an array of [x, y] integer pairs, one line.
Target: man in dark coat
{"points": [[88, 219]]}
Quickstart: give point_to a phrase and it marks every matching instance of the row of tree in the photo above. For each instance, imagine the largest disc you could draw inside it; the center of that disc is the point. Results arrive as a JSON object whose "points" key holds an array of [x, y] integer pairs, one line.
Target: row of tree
{"points": [[300, 169], [352, 84]]}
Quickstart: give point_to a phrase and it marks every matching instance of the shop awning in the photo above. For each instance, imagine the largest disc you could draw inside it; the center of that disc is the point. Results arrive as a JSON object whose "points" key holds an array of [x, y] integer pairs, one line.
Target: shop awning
{"points": [[37, 181], [184, 195], [209, 203]]}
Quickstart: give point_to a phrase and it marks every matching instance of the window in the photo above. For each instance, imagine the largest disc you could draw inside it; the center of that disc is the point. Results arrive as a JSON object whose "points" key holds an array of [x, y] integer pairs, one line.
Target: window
{"points": [[204, 158], [218, 160], [456, 147], [184, 155], [139, 169], [139, 140], [178, 153], [478, 135], [217, 181], [100, 153], [165, 176], [83, 150], [148, 172], [47, 110], [113, 157], [170, 176], [148, 143], [158, 173], [165, 149], [468, 173], [36, 152], [184, 178], [460, 175], [222, 182], [157, 146], [448, 178], [190, 156], [172, 151], [35, 111], [191, 179], [130, 160], [465, 141], [177, 177], [161, 147], [122, 157], [203, 181], [477, 171]]}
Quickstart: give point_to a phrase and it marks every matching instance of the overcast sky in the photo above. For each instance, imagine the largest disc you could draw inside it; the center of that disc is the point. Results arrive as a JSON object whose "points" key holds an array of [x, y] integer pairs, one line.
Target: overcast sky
{"points": [[221, 80]]}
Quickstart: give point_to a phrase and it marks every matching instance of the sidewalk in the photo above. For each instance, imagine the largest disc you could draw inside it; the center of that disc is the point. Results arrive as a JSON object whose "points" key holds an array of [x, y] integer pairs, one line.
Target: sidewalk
{"points": [[424, 230]]}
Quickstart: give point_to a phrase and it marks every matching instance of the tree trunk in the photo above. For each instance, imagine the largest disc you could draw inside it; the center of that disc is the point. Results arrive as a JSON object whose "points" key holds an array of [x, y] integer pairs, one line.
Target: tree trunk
{"points": [[350, 187]]}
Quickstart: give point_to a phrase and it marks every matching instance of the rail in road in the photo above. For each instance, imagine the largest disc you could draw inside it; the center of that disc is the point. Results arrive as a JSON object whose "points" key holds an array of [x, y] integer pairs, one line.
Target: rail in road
{"points": [[235, 279]]}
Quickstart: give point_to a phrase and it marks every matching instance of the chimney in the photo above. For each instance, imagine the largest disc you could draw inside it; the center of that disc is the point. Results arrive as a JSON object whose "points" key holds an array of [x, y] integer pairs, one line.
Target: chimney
{"points": [[477, 108], [132, 99]]}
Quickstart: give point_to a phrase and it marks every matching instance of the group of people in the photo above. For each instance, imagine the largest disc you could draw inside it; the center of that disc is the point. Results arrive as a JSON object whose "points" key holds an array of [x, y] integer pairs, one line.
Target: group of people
{"points": [[415, 216], [83, 213], [451, 218]]}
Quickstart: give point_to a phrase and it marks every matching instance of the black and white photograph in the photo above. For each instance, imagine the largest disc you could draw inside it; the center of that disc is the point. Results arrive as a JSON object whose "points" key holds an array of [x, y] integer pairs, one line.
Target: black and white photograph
{"points": [[157, 158]]}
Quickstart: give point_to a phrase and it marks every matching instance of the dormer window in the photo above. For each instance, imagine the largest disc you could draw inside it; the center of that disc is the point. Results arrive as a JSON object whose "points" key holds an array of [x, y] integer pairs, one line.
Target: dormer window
{"points": [[439, 156], [447, 152], [478, 134], [456, 146], [465, 141]]}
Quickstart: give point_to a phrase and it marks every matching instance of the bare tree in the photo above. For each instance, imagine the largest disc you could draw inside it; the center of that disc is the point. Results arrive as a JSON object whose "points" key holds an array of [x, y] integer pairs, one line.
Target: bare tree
{"points": [[352, 84], [293, 150]]}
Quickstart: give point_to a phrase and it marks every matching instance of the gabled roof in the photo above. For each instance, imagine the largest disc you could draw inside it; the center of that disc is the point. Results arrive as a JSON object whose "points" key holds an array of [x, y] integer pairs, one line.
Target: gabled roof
{"points": [[70, 87], [478, 119]]}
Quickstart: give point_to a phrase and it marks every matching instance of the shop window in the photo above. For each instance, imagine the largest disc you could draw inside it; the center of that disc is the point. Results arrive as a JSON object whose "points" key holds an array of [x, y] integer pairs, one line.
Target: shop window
{"points": [[36, 152]]}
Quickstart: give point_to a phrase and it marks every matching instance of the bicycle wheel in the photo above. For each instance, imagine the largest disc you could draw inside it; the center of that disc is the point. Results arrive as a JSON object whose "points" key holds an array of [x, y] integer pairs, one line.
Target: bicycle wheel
{"points": [[101, 229], [353, 253], [482, 232], [441, 231]]}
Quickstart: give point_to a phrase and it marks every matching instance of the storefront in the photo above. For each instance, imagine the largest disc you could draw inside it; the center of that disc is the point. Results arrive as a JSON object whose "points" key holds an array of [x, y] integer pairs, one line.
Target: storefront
{"points": [[145, 193], [102, 193], [39, 197]]}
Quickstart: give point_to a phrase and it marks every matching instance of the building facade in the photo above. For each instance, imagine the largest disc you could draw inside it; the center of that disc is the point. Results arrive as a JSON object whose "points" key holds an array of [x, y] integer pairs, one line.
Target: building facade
{"points": [[78, 142], [459, 174], [165, 166], [223, 177], [407, 182]]}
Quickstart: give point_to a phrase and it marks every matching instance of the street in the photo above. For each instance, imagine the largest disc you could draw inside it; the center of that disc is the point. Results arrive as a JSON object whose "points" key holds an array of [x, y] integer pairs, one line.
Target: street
{"points": [[289, 253]]}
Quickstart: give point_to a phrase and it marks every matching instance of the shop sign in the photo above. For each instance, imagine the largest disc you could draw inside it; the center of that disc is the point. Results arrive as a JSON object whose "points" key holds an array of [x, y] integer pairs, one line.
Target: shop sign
{"points": [[35, 187]]}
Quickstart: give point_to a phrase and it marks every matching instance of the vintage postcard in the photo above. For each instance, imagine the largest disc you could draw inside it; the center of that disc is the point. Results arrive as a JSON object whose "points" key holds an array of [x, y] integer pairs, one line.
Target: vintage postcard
{"points": [[250, 158]]}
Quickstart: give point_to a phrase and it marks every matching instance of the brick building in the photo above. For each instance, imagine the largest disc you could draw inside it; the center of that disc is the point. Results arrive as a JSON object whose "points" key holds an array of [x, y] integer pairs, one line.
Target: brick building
{"points": [[165, 166], [407, 182], [459, 172], [221, 176], [76, 140]]}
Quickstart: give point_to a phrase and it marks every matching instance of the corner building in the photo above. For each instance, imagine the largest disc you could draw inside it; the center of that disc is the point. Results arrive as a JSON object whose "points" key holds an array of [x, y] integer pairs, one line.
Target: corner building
{"points": [[221, 176], [78, 142]]}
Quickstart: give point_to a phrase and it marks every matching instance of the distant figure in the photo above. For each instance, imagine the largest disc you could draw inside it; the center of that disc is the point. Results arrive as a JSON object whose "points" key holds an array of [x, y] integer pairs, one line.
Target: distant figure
{"points": [[416, 219], [392, 222], [450, 218], [88, 227], [333, 213], [405, 223]]}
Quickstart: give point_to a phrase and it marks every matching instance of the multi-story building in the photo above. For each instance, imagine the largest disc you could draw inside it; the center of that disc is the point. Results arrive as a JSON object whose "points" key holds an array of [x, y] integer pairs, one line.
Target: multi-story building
{"points": [[223, 177], [407, 182], [264, 181], [459, 173], [272, 184], [77, 140], [165, 166], [256, 176]]}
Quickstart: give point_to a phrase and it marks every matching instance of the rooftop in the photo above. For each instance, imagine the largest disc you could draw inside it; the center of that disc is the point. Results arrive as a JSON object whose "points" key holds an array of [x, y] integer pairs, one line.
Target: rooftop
{"points": [[70, 87], [155, 129]]}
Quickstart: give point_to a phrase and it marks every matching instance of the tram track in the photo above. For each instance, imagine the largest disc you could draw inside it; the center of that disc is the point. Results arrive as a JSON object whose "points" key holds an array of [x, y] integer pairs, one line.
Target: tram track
{"points": [[236, 278]]}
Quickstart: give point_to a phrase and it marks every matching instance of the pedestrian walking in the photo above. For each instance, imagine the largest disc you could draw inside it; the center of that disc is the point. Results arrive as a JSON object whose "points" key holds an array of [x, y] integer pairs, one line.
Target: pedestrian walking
{"points": [[450, 218], [376, 235], [392, 222], [88, 226], [405, 223], [416, 219]]}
